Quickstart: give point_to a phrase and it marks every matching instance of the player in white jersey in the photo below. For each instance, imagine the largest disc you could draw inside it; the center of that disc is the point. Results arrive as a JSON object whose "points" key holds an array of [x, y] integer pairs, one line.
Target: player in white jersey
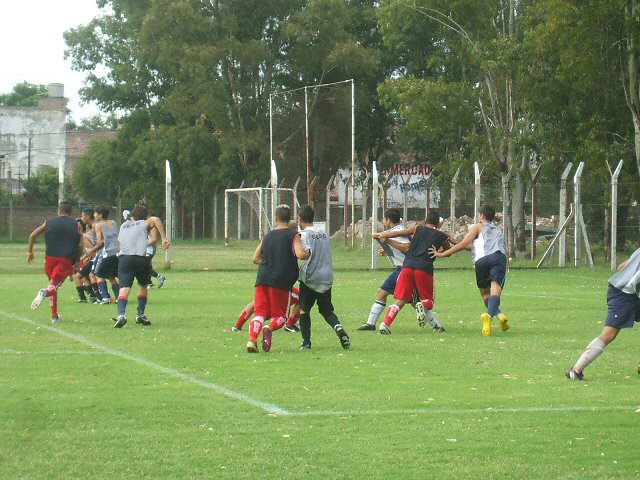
{"points": [[394, 249], [490, 261], [623, 310], [134, 264]]}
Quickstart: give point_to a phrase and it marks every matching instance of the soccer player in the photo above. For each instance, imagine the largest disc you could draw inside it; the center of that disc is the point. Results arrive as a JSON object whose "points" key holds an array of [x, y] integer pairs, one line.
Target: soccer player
{"points": [[417, 269], [316, 279], [134, 263], [291, 326], [106, 263], [623, 309], [151, 251], [63, 245], [276, 257], [490, 261]]}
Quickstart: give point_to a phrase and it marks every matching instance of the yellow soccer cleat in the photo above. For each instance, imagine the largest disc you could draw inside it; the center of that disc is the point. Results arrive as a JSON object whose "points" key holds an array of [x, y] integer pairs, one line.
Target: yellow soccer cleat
{"points": [[486, 324], [504, 322]]}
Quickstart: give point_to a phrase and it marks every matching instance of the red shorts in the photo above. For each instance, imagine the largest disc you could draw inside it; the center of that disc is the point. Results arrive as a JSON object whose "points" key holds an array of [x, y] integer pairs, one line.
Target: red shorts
{"points": [[295, 296], [410, 279], [58, 269], [271, 302]]}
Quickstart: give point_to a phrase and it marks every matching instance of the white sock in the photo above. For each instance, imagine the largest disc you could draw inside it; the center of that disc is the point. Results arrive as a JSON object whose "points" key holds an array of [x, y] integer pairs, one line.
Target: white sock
{"points": [[594, 349], [431, 318], [376, 309]]}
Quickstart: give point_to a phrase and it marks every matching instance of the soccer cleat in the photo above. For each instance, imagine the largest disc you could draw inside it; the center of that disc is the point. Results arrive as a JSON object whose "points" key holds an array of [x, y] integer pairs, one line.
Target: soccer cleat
{"points": [[55, 319], [82, 300], [438, 329], [142, 320], [95, 300], [105, 301], [292, 329], [504, 322], [573, 375], [150, 285], [422, 318], [366, 327], [236, 329], [121, 321], [384, 329], [343, 337], [161, 280], [486, 324], [252, 347], [266, 339], [305, 346], [39, 298]]}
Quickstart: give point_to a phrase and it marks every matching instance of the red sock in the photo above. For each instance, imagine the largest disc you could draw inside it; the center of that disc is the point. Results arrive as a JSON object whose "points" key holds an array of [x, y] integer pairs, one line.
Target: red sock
{"points": [[392, 311], [427, 304], [293, 319], [277, 323], [53, 302], [242, 319], [254, 328]]}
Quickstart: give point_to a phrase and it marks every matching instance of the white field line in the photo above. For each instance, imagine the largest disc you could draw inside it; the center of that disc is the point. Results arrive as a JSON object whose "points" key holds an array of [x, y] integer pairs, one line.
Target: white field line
{"points": [[268, 407], [479, 411], [8, 351]]}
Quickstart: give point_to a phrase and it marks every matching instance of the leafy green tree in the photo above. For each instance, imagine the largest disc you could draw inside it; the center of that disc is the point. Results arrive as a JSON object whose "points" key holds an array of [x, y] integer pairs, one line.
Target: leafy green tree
{"points": [[42, 189], [23, 94]]}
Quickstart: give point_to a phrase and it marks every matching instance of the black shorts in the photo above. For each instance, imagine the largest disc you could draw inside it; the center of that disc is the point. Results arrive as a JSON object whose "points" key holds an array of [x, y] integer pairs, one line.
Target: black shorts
{"points": [[492, 268], [107, 267], [309, 297], [622, 309], [134, 266], [389, 285], [86, 270]]}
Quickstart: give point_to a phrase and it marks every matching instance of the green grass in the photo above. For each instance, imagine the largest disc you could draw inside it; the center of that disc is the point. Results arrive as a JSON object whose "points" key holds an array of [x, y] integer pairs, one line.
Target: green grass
{"points": [[412, 405]]}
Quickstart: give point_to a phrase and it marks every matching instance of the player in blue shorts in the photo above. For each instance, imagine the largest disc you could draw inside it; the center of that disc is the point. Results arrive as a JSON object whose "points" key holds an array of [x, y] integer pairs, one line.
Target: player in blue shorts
{"points": [[490, 260], [623, 309]]}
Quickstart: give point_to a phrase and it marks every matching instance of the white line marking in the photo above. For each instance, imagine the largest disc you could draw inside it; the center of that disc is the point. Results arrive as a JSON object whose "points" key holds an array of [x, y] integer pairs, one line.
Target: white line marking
{"points": [[268, 407], [7, 351], [447, 411]]}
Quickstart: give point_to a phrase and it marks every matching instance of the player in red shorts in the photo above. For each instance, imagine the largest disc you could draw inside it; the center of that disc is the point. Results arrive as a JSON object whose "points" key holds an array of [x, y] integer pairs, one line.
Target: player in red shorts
{"points": [[63, 244], [294, 313], [277, 256], [417, 269]]}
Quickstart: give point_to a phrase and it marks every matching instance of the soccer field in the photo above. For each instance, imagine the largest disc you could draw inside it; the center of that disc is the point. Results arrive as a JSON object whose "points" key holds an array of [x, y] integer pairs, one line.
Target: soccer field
{"points": [[183, 399]]}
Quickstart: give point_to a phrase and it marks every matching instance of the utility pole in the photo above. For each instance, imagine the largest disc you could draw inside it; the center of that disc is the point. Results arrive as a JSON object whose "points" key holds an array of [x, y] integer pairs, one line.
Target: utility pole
{"points": [[29, 160], [19, 175]]}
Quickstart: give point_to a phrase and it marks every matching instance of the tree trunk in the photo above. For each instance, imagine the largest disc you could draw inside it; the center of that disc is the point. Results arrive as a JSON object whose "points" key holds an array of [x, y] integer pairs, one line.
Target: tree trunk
{"points": [[517, 212]]}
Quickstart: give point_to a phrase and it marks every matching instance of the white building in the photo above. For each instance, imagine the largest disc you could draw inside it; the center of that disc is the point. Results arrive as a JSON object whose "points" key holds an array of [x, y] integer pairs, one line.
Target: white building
{"points": [[32, 137]]}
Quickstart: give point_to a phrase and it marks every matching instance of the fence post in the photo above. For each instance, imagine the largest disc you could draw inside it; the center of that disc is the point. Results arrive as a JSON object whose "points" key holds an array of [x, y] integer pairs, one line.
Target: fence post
{"points": [[215, 213], [363, 203], [614, 215], [11, 213], [534, 210], [274, 190], [169, 210], [327, 215], [476, 192], [295, 200], [452, 206], [506, 218], [240, 212], [562, 244], [374, 213], [578, 213]]}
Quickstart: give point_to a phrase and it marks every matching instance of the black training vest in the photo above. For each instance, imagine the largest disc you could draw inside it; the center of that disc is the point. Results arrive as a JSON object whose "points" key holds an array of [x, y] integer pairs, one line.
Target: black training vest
{"points": [[418, 256], [61, 237], [279, 266]]}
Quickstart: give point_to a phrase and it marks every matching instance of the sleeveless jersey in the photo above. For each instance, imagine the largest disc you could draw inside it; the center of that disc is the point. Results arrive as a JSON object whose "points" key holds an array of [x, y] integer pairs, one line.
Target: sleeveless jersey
{"points": [[418, 256], [628, 279], [110, 238], [279, 265], [133, 238], [62, 237], [317, 270], [490, 240]]}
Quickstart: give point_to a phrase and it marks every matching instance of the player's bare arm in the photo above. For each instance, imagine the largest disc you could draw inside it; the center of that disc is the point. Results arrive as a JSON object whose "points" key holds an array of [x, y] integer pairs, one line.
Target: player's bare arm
{"points": [[405, 232], [155, 222], [474, 231], [257, 255], [622, 265], [32, 240], [299, 249], [402, 246], [99, 243], [153, 236]]}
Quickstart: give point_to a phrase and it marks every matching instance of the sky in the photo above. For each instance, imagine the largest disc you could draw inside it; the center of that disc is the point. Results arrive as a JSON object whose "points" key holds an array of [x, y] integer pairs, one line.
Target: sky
{"points": [[32, 47]]}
